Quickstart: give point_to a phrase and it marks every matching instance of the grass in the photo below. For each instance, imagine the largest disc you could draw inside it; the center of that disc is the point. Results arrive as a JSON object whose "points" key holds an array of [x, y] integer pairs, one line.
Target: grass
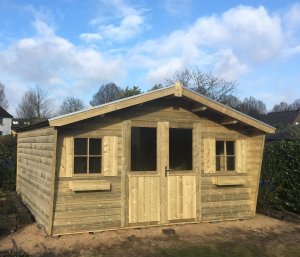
{"points": [[2, 194], [229, 249]]}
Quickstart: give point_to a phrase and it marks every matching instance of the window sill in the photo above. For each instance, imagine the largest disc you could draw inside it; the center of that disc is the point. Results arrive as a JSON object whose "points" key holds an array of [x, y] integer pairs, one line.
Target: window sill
{"points": [[88, 185]]}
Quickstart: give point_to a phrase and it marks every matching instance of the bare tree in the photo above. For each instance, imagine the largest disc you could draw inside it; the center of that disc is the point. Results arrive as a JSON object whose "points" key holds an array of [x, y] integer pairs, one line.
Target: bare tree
{"points": [[232, 101], [105, 94], [34, 104], [70, 104], [295, 105], [3, 100], [283, 106], [204, 83], [253, 107]]}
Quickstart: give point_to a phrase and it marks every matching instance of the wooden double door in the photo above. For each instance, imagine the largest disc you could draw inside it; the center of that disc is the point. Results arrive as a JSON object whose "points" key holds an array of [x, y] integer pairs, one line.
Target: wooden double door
{"points": [[171, 192]]}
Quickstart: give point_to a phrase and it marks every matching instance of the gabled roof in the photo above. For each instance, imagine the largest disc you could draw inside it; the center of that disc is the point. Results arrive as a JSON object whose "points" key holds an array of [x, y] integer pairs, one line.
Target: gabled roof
{"points": [[177, 90], [4, 113], [280, 118]]}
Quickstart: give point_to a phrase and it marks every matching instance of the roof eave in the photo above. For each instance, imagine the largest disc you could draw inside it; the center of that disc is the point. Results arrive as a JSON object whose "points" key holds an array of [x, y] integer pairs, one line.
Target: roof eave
{"points": [[176, 90], [111, 106], [224, 109]]}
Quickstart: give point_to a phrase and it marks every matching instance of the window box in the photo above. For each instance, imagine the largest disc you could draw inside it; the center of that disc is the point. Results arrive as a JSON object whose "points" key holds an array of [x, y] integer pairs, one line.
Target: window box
{"points": [[89, 185], [229, 181]]}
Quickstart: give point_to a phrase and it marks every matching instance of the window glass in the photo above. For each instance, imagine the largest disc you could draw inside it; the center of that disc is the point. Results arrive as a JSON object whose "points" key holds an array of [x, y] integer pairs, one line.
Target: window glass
{"points": [[80, 146], [80, 165], [220, 147], [95, 164], [230, 147], [230, 163], [180, 149], [225, 156], [143, 149], [95, 146]]}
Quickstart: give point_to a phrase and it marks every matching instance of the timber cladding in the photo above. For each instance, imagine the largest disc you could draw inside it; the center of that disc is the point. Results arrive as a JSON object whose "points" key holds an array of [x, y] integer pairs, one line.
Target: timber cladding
{"points": [[89, 210], [166, 160], [36, 156]]}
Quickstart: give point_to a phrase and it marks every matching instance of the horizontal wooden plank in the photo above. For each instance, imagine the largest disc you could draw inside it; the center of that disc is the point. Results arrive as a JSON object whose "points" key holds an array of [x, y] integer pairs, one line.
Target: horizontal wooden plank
{"points": [[230, 216], [227, 203], [78, 228], [37, 132], [226, 210], [224, 197], [88, 213]]}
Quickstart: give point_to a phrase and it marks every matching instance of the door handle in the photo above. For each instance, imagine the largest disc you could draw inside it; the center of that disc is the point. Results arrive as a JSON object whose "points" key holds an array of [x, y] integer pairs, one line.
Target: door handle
{"points": [[166, 171]]}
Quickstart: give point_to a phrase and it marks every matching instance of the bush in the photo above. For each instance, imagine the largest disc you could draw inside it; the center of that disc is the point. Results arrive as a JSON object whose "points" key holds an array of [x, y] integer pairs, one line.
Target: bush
{"points": [[280, 181], [8, 163]]}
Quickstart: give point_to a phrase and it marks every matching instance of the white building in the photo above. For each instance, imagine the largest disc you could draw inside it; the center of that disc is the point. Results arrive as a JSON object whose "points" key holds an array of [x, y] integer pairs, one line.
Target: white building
{"points": [[5, 122]]}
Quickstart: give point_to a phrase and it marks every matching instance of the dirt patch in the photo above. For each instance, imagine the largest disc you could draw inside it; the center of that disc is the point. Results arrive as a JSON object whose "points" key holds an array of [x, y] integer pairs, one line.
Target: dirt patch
{"points": [[261, 234]]}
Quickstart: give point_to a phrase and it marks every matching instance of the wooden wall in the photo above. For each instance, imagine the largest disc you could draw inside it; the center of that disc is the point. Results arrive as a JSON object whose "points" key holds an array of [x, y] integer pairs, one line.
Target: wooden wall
{"points": [[87, 210], [35, 162]]}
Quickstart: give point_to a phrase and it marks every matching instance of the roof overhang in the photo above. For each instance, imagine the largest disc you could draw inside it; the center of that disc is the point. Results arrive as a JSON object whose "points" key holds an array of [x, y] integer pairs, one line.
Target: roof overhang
{"points": [[178, 91]]}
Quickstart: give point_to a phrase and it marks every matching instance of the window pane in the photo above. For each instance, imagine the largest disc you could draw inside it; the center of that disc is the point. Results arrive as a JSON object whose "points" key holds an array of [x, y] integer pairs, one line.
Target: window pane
{"points": [[219, 147], [95, 146], [80, 165], [95, 164], [143, 149], [80, 146], [218, 163], [231, 163], [180, 149], [230, 147]]}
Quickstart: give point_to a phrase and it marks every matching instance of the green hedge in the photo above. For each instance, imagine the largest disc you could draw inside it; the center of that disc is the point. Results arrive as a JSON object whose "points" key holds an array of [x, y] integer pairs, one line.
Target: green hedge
{"points": [[280, 180], [8, 163]]}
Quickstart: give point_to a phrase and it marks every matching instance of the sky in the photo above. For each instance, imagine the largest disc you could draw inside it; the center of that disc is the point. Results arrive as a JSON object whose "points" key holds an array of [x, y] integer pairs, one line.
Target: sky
{"points": [[72, 47]]}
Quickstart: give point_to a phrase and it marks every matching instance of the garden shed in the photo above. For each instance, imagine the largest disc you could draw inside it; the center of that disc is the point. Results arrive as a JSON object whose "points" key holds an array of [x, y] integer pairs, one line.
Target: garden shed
{"points": [[163, 157]]}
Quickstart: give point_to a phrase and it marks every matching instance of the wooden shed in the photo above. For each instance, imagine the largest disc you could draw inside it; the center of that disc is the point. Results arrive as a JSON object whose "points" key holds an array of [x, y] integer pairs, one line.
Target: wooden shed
{"points": [[166, 156]]}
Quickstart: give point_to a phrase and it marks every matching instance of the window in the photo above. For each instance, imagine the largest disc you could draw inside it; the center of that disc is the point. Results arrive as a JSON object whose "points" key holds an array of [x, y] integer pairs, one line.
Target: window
{"points": [[180, 149], [87, 155], [143, 149], [225, 155], [1, 121]]}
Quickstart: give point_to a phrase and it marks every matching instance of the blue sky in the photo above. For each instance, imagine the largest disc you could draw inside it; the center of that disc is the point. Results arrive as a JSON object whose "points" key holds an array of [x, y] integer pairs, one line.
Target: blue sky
{"points": [[71, 47]]}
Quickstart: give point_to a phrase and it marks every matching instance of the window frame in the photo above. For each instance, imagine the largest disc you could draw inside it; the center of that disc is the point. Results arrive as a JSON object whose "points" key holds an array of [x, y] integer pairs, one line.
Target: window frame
{"points": [[225, 170], [87, 173]]}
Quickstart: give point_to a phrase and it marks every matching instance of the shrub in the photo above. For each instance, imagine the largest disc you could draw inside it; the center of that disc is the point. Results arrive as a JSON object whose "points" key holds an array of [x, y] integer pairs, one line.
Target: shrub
{"points": [[280, 181], [8, 163]]}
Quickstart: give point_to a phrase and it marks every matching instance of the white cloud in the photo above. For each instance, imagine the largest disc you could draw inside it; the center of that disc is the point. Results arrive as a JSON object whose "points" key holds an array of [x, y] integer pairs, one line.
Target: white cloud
{"points": [[177, 7], [90, 37], [228, 44], [55, 63], [228, 66], [127, 23]]}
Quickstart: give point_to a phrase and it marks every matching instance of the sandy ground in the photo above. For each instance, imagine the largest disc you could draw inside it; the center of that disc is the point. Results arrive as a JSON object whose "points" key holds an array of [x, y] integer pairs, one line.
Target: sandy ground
{"points": [[35, 242]]}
